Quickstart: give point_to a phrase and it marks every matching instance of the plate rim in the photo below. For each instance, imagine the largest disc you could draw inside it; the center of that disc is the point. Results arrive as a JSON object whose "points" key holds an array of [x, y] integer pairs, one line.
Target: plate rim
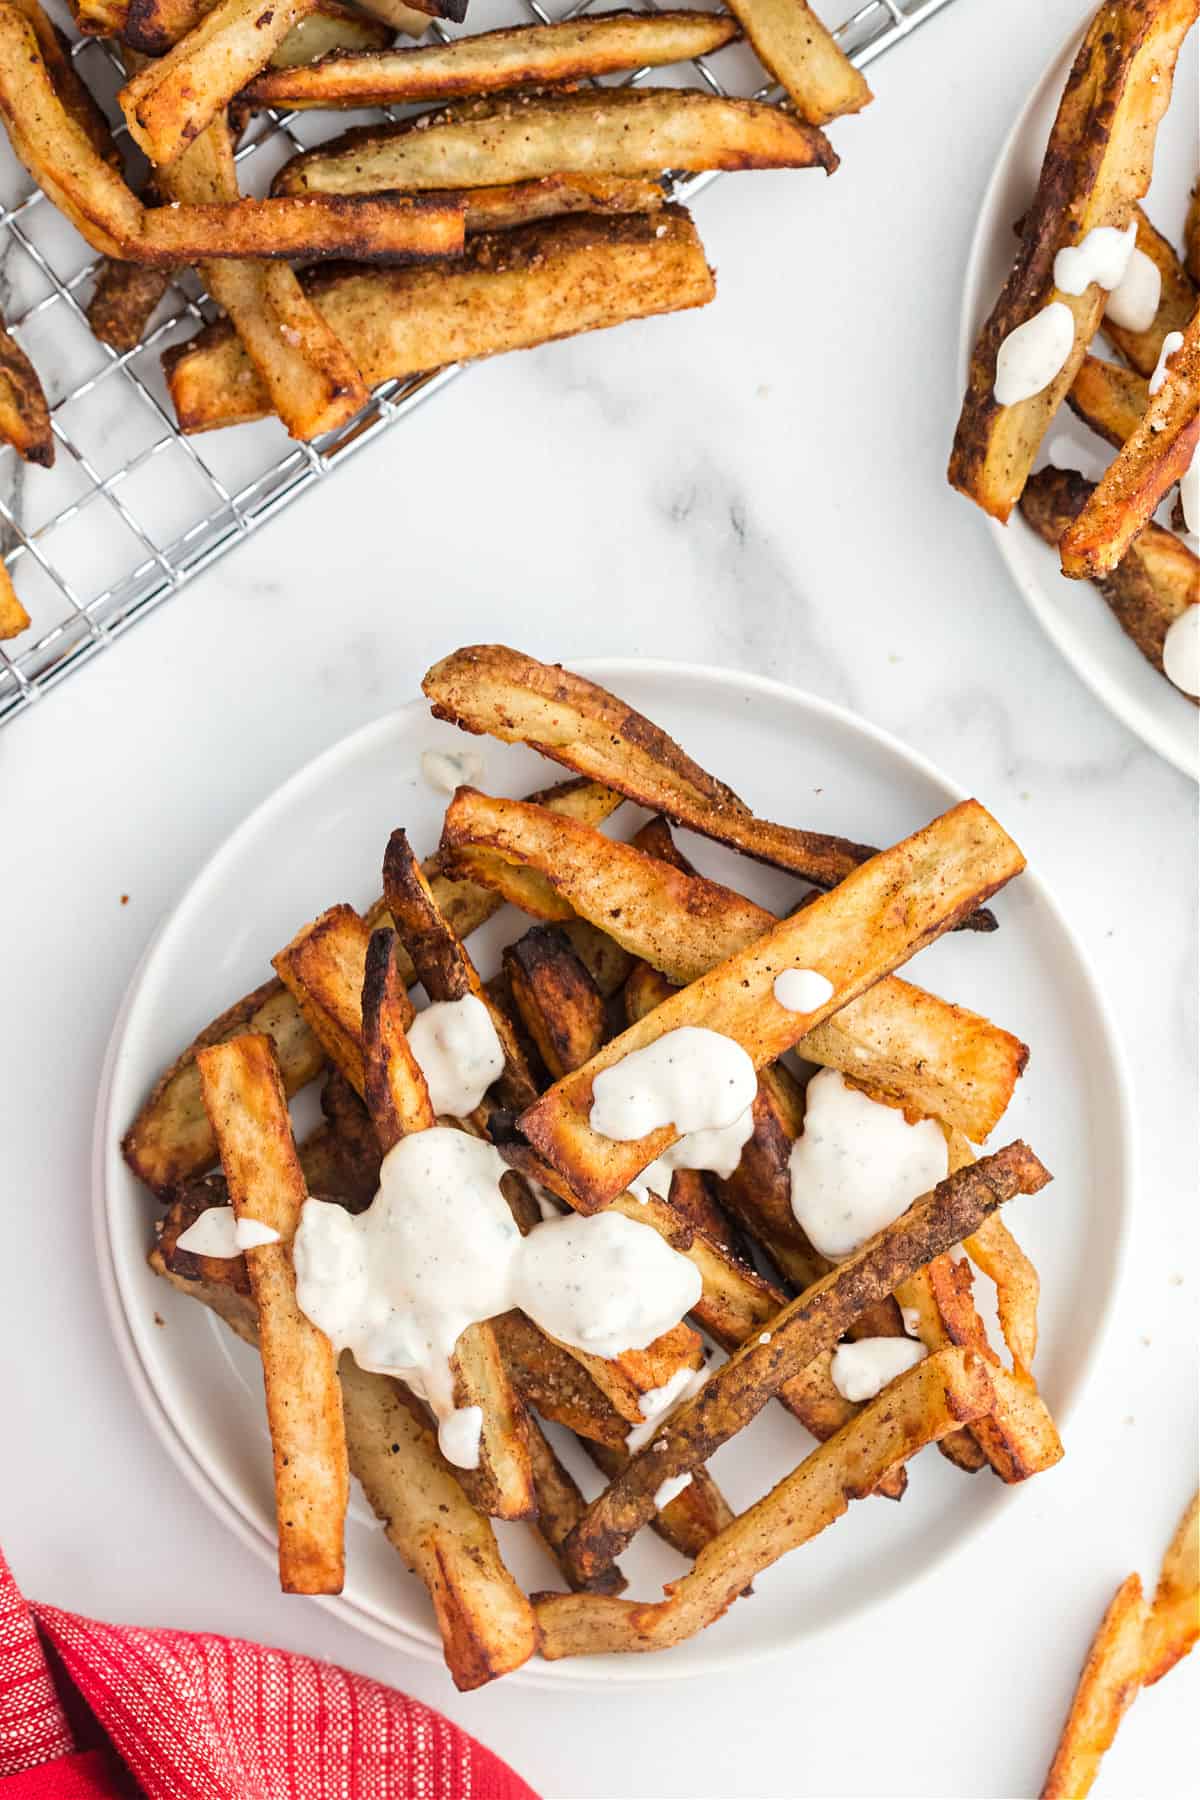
{"points": [[584, 1672], [1145, 725]]}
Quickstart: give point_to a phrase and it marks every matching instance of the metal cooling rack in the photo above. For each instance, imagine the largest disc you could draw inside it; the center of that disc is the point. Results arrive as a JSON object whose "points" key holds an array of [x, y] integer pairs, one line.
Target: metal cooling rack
{"points": [[133, 509]]}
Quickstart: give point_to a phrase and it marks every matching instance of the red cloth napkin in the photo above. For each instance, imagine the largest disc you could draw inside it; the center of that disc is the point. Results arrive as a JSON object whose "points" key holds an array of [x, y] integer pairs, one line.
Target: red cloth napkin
{"points": [[177, 1715]]}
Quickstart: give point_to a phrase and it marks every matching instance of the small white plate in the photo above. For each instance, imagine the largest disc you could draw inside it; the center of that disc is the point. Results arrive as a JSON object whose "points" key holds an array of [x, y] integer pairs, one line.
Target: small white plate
{"points": [[1072, 612], [320, 839]]}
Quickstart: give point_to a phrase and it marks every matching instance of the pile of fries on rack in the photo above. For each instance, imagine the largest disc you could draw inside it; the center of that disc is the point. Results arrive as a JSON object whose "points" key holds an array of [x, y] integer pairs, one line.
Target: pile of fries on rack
{"points": [[533, 206], [1097, 169], [622, 942]]}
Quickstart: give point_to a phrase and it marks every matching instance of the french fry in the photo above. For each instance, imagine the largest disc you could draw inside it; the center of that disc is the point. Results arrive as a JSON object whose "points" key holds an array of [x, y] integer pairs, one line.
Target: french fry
{"points": [[556, 1384], [994, 1249], [1175, 307], [490, 688], [1097, 166], [24, 414], [1145, 468], [330, 28], [1152, 585], [156, 26], [123, 301], [245, 1100], [172, 99], [560, 1504], [890, 907], [613, 131], [792, 45], [1107, 1688], [570, 50], [73, 93], [509, 291], [100, 18], [560, 1005], [1191, 234], [13, 617], [59, 154], [688, 1522], [554, 196], [1109, 399], [810, 1325], [938, 1396], [1174, 1622], [948, 1062]]}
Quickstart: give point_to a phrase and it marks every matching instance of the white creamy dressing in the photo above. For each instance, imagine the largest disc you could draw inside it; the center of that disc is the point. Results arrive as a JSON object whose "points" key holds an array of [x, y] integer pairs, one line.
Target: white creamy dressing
{"points": [[218, 1232], [1133, 303], [802, 990], [858, 1164], [697, 1080], [718, 1150], [437, 1251], [460, 1435], [1103, 257], [912, 1320], [1034, 353], [862, 1370], [659, 1402], [1170, 344], [456, 1045], [1181, 654], [446, 770], [671, 1489]]}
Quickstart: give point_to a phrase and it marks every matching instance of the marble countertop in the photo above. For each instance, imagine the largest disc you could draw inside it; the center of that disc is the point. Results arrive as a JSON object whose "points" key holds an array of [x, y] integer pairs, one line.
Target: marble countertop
{"points": [[758, 485]]}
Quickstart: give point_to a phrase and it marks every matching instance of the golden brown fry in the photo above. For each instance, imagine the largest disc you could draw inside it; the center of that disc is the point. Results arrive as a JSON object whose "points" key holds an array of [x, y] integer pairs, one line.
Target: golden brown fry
{"points": [[24, 414], [1175, 307], [171, 100], [244, 1098], [123, 301], [890, 907], [689, 1521], [329, 28], [610, 131], [556, 1384], [1098, 164], [100, 18], [171, 1139], [1156, 580], [1145, 468], [569, 50], [554, 196], [792, 45], [807, 1327], [560, 1005], [995, 1250], [947, 1062], [13, 617], [1107, 1688], [155, 26], [323, 969], [59, 154], [936, 1397], [1109, 399], [1174, 1623], [560, 1504], [1191, 235], [72, 91], [394, 1086], [509, 291]]}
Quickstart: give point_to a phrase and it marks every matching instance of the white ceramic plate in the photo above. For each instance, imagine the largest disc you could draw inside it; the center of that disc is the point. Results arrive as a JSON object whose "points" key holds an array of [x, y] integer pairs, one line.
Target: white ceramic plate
{"points": [[1072, 612], [320, 839]]}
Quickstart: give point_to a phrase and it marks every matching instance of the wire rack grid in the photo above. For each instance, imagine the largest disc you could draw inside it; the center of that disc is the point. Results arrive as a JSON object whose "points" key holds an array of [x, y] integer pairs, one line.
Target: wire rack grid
{"points": [[132, 508]]}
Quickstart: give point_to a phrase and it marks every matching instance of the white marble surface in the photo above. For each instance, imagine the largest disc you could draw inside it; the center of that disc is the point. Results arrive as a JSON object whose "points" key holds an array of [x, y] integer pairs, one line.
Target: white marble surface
{"points": [[758, 485]]}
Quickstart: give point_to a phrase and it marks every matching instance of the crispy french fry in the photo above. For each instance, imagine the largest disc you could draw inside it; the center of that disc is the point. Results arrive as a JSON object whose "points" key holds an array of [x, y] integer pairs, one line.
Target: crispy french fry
{"points": [[329, 29], [611, 131], [560, 1504], [59, 154], [1145, 468], [24, 414], [808, 1326], [554, 196], [156, 26], [946, 1061], [172, 99], [1107, 1688], [1191, 234], [13, 617], [1174, 1622], [1175, 307], [394, 1087], [1109, 399], [245, 1100], [100, 18], [123, 301], [1097, 166], [560, 1005], [509, 291], [1156, 580], [569, 50], [72, 91], [877, 918], [792, 45], [556, 1384], [936, 1397], [488, 688], [995, 1250]]}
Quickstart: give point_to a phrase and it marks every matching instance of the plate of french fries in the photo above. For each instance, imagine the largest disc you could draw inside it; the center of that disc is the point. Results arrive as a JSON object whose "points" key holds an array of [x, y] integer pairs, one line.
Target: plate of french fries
{"points": [[724, 1400], [1085, 478]]}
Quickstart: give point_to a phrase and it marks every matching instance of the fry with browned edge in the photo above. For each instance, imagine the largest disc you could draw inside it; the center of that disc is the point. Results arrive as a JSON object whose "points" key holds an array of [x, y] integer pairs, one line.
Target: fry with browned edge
{"points": [[792, 45], [24, 414]]}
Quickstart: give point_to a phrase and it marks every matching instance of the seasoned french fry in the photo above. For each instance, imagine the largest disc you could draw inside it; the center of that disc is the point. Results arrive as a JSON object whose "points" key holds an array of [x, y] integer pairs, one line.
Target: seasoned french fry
{"points": [[560, 1005], [323, 969], [560, 1504], [1107, 1688], [509, 291], [245, 1101], [994, 1249], [568, 50], [612, 131], [1175, 307], [123, 301], [330, 28], [1156, 580], [156, 26], [792, 45], [1109, 399], [554, 196], [1174, 1622], [1145, 468], [1191, 235], [24, 414], [1097, 166], [689, 1521], [13, 617], [936, 1397], [810, 1325]]}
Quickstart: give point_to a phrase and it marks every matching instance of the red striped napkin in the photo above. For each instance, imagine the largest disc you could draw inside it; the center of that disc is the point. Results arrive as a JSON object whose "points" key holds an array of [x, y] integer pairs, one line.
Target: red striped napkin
{"points": [[90, 1710]]}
